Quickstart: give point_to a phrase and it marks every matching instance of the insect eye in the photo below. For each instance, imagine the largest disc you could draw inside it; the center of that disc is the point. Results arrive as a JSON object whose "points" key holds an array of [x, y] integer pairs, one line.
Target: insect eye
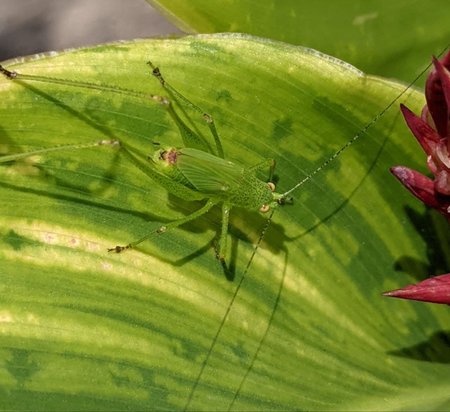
{"points": [[271, 186], [264, 208]]}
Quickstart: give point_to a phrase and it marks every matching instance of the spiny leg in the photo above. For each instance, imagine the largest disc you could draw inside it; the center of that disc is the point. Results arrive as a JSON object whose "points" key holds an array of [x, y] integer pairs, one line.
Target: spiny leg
{"points": [[222, 251], [7, 73], [270, 163], [69, 147], [189, 137], [205, 116], [167, 227], [13, 75]]}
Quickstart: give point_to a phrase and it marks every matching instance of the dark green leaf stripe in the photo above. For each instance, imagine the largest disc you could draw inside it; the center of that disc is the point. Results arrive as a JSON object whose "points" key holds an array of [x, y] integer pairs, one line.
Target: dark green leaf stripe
{"points": [[83, 329]]}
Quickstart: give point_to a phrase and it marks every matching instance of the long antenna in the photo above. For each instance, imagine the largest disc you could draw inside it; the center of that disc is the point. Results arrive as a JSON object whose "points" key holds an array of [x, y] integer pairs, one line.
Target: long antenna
{"points": [[284, 195], [360, 133], [225, 316]]}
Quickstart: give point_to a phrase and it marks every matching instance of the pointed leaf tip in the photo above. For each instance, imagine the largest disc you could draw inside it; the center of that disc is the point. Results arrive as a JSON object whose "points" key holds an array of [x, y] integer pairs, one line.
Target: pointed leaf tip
{"points": [[433, 290]]}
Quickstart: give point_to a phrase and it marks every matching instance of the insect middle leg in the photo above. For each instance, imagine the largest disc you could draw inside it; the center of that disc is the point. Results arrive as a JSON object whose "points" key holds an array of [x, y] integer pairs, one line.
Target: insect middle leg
{"points": [[205, 116], [222, 250]]}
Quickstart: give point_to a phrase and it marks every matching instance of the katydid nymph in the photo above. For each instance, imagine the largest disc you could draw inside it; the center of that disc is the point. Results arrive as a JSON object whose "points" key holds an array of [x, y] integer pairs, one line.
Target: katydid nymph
{"points": [[192, 172], [197, 172]]}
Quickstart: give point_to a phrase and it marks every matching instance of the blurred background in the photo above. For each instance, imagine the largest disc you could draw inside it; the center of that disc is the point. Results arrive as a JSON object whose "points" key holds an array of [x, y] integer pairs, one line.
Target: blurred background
{"points": [[34, 26]]}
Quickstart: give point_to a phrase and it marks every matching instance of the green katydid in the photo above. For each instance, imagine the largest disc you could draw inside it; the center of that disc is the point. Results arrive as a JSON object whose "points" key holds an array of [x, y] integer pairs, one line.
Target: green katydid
{"points": [[193, 172], [178, 169]]}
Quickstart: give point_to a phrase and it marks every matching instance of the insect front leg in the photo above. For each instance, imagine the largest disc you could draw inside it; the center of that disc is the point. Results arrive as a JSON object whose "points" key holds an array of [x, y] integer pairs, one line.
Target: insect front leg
{"points": [[165, 228], [222, 250], [205, 116], [270, 163]]}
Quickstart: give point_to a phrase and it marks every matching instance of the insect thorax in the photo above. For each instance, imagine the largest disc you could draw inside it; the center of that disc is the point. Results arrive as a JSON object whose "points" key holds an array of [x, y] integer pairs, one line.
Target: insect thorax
{"points": [[252, 193], [244, 189]]}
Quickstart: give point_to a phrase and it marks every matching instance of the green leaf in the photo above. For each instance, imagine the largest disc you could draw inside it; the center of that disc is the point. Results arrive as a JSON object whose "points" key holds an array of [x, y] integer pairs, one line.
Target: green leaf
{"points": [[386, 38], [83, 329]]}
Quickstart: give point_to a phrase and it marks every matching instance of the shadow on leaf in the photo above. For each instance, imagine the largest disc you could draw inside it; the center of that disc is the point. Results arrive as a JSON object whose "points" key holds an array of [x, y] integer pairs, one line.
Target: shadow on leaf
{"points": [[435, 349], [432, 228]]}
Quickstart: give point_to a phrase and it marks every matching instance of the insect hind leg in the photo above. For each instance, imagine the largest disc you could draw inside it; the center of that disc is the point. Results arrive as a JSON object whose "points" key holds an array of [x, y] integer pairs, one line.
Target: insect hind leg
{"points": [[67, 147], [7, 73], [174, 94]]}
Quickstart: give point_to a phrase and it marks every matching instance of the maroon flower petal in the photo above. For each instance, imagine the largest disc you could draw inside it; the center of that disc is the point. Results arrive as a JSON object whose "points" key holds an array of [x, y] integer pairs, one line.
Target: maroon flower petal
{"points": [[437, 93], [442, 183], [423, 188], [444, 77], [419, 185], [424, 133], [435, 290], [432, 130]]}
